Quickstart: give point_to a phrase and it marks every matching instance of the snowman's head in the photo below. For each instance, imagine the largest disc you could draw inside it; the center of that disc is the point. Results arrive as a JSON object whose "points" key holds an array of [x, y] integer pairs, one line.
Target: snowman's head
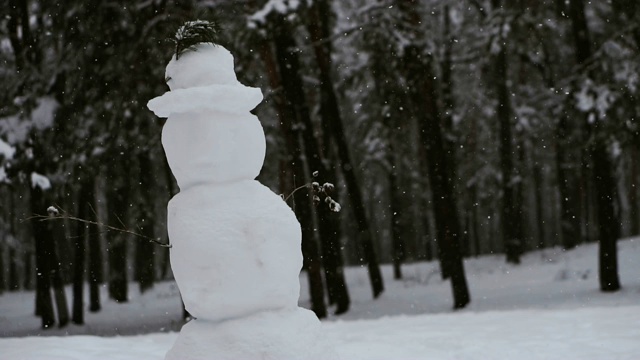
{"points": [[205, 64]]}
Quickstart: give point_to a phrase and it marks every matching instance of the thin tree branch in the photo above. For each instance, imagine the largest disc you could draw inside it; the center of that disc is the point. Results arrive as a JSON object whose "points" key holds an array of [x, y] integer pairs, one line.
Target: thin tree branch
{"points": [[296, 189], [64, 215]]}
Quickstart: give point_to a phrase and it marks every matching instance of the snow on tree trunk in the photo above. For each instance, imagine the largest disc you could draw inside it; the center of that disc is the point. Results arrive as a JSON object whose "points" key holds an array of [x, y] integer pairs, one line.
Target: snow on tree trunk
{"points": [[235, 244]]}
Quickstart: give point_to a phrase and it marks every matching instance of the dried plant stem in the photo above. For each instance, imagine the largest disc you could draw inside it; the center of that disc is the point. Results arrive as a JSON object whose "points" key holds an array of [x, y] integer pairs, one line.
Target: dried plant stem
{"points": [[64, 215], [296, 189]]}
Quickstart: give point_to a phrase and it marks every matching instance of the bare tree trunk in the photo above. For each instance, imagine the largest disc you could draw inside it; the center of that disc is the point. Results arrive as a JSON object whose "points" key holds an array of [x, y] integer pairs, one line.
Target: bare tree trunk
{"points": [[511, 209], [117, 214], [333, 124], [396, 226], [284, 73], [3, 282], [312, 262], [634, 198], [14, 280], [538, 181], [608, 223], [332, 260], [3, 277], [28, 270], [84, 199], [95, 268], [420, 78], [568, 184], [425, 98], [44, 304], [474, 213], [145, 250], [329, 222], [56, 279], [603, 181]]}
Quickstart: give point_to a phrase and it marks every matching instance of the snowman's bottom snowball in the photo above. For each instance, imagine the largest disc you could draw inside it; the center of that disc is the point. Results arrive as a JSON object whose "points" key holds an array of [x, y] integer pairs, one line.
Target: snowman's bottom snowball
{"points": [[271, 335]]}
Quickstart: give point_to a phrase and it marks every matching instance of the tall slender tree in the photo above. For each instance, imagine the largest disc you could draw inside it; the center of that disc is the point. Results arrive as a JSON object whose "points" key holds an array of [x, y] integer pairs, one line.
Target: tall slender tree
{"points": [[598, 151], [424, 95], [294, 117], [117, 242], [318, 26], [511, 208], [333, 124], [145, 250]]}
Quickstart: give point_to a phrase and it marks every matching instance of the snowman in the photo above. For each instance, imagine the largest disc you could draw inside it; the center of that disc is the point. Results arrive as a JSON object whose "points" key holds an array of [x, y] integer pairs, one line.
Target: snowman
{"points": [[235, 244]]}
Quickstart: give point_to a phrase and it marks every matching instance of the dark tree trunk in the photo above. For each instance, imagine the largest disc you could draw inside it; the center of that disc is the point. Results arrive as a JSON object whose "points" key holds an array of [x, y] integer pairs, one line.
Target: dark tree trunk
{"points": [[333, 124], [145, 250], [511, 209], [538, 181], [95, 269], [28, 271], [292, 109], [332, 260], [608, 223], [19, 31], [84, 199], [390, 97], [312, 262], [3, 282], [474, 221], [329, 223], [447, 96], [359, 211], [117, 243], [634, 198], [580, 31], [472, 189], [145, 254], [396, 227], [570, 197], [569, 170], [602, 174], [56, 279], [118, 287], [425, 98], [44, 303], [14, 280]]}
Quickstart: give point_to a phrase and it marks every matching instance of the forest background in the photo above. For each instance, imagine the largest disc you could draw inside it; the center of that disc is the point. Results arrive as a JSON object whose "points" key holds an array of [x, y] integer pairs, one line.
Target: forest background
{"points": [[449, 128]]}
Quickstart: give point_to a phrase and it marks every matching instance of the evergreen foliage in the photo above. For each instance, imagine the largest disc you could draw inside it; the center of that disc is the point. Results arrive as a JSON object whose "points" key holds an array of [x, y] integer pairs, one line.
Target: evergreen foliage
{"points": [[196, 32]]}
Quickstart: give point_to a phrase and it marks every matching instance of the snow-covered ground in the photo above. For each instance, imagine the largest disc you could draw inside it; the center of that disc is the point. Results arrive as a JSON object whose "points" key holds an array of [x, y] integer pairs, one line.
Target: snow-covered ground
{"points": [[549, 307]]}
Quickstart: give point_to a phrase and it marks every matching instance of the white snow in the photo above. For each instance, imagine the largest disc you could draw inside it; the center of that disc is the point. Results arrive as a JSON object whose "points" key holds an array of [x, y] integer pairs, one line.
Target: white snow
{"points": [[6, 150], [549, 307], [268, 335], [41, 181], [231, 240], [278, 6], [3, 175], [16, 128]]}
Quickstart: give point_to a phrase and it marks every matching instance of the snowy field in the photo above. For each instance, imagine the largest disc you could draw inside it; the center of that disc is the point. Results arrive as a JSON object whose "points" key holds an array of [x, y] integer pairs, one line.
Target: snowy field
{"points": [[549, 307]]}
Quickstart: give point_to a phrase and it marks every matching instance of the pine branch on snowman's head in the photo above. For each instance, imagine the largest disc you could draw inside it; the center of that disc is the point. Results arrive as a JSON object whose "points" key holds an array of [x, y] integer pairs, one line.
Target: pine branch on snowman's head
{"points": [[195, 32]]}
